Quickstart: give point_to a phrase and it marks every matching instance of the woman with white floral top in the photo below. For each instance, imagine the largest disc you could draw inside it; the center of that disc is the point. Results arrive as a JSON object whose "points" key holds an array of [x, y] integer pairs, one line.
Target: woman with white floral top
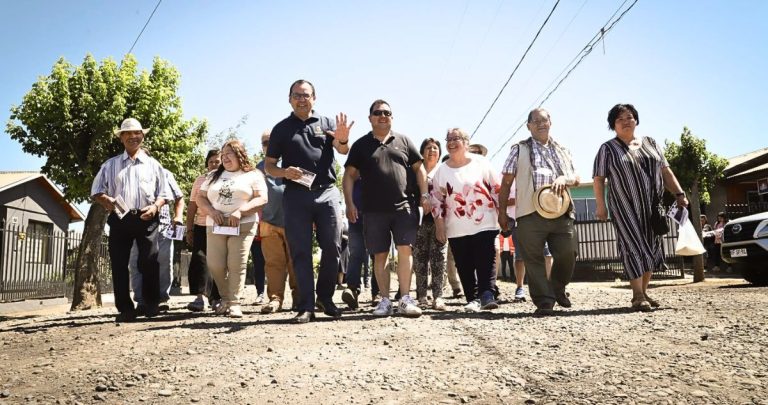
{"points": [[231, 198], [465, 192]]}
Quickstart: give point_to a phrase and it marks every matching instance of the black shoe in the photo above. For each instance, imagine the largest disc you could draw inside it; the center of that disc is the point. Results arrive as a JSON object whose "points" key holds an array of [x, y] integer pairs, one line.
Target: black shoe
{"points": [[151, 312], [140, 309], [562, 299], [349, 296], [397, 296], [163, 307], [457, 293], [304, 317], [126, 317], [330, 309], [544, 312]]}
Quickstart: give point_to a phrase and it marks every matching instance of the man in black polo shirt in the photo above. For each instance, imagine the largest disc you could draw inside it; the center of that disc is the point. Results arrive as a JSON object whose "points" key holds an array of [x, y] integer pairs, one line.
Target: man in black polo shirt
{"points": [[305, 142], [384, 158]]}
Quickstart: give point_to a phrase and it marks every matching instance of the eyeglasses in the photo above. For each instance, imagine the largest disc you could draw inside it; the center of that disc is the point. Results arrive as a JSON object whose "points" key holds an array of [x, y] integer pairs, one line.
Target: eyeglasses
{"points": [[264, 143], [454, 139], [301, 96], [379, 113]]}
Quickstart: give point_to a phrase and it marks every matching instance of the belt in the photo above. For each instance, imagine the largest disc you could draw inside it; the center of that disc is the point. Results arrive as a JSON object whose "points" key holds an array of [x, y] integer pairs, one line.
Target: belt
{"points": [[134, 212], [297, 186]]}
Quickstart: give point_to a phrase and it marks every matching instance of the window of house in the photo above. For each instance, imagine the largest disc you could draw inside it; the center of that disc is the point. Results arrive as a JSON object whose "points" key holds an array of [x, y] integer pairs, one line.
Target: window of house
{"points": [[39, 243], [585, 208]]}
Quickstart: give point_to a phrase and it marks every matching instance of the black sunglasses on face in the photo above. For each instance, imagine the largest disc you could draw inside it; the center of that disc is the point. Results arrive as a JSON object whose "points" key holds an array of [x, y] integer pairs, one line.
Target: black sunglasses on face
{"points": [[379, 113]]}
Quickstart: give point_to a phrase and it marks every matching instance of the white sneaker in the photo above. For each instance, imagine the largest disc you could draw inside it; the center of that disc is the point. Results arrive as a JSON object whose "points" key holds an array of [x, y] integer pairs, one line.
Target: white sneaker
{"points": [[438, 304], [235, 311], [408, 307], [472, 306], [384, 308]]}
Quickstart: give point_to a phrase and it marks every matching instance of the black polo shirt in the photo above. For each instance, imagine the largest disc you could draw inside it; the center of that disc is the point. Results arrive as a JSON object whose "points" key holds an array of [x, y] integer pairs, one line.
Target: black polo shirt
{"points": [[305, 144], [386, 168]]}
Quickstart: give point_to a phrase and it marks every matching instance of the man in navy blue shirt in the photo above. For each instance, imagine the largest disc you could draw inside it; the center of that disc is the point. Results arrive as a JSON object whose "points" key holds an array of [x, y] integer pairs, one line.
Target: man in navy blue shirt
{"points": [[305, 141]]}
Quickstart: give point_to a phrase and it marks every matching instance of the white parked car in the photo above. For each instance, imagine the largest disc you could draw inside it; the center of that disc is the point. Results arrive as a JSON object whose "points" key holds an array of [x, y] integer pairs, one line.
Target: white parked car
{"points": [[745, 247]]}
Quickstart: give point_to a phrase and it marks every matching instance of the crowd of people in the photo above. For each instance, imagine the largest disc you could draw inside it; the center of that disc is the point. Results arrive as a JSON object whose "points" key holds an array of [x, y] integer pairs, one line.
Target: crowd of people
{"points": [[456, 213]]}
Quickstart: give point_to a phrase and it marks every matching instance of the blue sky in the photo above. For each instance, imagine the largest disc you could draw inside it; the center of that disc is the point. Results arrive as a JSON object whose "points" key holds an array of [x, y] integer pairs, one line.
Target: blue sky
{"points": [[699, 64]]}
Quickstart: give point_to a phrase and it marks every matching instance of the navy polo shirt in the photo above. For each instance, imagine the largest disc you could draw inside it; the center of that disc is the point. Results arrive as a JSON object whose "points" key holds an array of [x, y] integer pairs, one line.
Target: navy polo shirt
{"points": [[305, 144], [386, 168]]}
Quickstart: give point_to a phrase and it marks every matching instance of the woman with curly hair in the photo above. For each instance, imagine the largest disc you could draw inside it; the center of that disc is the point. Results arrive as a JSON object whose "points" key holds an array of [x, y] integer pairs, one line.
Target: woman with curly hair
{"points": [[231, 197]]}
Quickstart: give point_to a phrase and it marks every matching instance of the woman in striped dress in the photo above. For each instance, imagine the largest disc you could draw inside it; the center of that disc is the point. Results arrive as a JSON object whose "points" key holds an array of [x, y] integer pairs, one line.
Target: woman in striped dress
{"points": [[638, 173]]}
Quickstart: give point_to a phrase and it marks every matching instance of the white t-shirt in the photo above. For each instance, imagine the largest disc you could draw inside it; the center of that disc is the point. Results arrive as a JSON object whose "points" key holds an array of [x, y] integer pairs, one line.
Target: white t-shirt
{"points": [[232, 190], [466, 197]]}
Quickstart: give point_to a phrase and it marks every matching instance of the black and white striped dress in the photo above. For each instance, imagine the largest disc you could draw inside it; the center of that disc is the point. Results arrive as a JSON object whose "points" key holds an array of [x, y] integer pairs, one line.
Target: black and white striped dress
{"points": [[634, 176]]}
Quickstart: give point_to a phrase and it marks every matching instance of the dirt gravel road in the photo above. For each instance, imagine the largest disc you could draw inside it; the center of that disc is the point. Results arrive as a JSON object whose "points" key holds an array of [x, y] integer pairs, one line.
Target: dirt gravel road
{"points": [[706, 344]]}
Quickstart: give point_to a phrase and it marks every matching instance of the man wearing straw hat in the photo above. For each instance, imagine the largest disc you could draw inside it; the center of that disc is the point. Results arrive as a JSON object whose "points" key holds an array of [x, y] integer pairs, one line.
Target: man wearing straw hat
{"points": [[132, 187], [544, 172]]}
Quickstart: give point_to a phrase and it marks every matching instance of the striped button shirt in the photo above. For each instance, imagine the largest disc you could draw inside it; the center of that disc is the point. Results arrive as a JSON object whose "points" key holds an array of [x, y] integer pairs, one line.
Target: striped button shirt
{"points": [[138, 181], [175, 192]]}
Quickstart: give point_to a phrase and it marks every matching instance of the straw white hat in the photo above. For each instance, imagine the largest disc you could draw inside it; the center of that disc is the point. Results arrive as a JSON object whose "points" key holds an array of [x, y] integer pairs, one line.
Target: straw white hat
{"points": [[131, 124], [550, 205]]}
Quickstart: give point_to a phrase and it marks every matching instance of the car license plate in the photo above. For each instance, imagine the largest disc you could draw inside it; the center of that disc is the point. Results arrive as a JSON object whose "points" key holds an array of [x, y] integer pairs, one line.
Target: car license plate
{"points": [[739, 252]]}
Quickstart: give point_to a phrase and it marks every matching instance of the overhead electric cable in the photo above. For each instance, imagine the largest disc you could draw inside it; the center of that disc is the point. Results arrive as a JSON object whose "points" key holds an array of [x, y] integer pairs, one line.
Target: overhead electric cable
{"points": [[145, 25], [578, 58], [515, 69]]}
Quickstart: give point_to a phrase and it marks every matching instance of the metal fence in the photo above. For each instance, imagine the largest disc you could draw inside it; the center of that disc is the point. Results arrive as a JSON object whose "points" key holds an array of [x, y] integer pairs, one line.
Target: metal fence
{"points": [[598, 257], [733, 211], [38, 262]]}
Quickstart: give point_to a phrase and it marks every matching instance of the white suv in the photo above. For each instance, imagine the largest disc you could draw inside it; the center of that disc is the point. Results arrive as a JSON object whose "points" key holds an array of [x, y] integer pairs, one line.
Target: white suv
{"points": [[745, 247]]}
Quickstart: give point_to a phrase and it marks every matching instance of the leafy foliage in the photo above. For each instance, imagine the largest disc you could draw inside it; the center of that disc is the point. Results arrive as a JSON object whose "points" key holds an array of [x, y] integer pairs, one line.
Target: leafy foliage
{"points": [[69, 117], [693, 164]]}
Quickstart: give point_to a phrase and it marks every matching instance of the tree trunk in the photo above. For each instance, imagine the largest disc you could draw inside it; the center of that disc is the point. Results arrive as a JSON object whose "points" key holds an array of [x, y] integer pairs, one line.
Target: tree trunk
{"points": [[695, 208], [87, 293]]}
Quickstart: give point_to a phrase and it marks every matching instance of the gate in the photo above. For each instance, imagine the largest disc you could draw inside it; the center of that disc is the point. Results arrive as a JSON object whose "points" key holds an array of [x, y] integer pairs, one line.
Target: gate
{"points": [[598, 257]]}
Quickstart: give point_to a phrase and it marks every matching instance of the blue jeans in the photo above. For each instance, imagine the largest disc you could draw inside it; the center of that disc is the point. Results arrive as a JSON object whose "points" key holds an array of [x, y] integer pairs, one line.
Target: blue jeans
{"points": [[165, 257], [358, 254], [303, 208]]}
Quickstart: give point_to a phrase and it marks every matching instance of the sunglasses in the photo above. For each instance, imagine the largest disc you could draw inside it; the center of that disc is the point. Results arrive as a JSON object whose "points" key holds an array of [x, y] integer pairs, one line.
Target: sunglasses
{"points": [[264, 143], [379, 113]]}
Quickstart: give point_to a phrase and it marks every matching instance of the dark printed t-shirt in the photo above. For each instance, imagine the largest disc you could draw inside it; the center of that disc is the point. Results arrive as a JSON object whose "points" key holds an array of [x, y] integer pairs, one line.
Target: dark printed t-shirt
{"points": [[386, 168], [305, 144]]}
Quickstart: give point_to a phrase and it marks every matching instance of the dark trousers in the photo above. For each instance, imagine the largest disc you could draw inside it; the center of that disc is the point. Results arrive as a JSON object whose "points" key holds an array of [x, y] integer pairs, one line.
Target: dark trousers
{"points": [[533, 231], [122, 234], [358, 254], [475, 258], [303, 208], [258, 266], [199, 279], [507, 262]]}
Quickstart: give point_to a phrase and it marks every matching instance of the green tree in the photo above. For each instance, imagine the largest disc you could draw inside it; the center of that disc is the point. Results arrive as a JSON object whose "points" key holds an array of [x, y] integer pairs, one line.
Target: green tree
{"points": [[69, 117], [697, 170]]}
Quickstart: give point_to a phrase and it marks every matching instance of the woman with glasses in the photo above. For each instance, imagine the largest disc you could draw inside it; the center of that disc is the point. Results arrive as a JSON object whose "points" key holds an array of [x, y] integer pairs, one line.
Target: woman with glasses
{"points": [[637, 172], [231, 197], [465, 191], [429, 254]]}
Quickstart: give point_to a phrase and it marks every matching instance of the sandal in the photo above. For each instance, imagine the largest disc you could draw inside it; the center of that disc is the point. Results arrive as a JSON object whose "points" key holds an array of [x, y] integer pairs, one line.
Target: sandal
{"points": [[640, 304], [652, 301]]}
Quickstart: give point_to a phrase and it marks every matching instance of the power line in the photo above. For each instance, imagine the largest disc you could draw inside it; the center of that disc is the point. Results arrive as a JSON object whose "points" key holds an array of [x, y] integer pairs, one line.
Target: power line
{"points": [[145, 25], [578, 59], [515, 69]]}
